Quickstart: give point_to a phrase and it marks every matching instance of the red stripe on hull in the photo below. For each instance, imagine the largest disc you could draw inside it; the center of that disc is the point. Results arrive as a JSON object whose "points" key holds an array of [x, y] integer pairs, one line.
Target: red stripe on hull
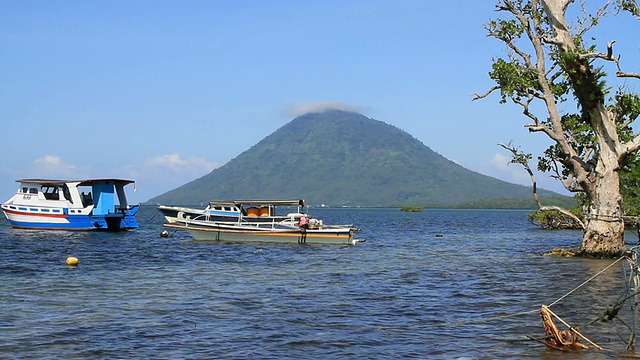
{"points": [[26, 213]]}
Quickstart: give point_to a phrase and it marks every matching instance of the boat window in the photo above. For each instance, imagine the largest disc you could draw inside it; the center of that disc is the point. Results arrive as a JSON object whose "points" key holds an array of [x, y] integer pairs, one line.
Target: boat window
{"points": [[86, 199], [25, 190], [33, 190], [50, 192]]}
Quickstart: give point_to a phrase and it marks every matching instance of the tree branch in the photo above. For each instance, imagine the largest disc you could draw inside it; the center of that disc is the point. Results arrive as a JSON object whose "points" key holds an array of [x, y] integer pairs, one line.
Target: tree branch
{"points": [[589, 20], [521, 158], [628, 74], [609, 57], [569, 182], [477, 96], [632, 146], [566, 212]]}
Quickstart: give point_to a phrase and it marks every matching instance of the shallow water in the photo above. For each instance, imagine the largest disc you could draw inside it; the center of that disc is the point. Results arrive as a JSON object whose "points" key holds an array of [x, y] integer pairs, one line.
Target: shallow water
{"points": [[463, 284]]}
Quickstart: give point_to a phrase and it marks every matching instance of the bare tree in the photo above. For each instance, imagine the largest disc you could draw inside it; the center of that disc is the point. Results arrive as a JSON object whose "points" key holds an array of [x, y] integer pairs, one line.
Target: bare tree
{"points": [[590, 145]]}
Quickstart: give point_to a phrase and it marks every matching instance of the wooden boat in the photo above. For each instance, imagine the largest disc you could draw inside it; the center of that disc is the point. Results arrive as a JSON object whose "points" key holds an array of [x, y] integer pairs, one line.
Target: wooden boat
{"points": [[257, 221], [71, 205], [212, 231]]}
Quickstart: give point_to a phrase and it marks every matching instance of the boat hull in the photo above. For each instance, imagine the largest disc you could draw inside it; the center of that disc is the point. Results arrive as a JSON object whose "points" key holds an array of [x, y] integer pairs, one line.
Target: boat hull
{"points": [[342, 236], [33, 218]]}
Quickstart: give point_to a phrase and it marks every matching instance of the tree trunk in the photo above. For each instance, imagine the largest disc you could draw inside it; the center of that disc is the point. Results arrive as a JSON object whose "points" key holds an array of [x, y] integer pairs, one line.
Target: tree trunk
{"points": [[603, 239], [604, 233]]}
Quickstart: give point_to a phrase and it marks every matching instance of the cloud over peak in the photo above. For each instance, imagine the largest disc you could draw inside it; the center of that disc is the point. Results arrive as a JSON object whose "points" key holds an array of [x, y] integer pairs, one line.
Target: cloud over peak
{"points": [[298, 109]]}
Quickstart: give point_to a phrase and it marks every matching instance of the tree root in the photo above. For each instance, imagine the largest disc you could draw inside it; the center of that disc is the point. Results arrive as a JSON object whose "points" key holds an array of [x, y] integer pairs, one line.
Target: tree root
{"points": [[566, 340]]}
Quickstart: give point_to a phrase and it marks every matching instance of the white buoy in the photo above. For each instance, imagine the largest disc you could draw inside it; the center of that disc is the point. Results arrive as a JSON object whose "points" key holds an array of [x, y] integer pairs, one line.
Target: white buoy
{"points": [[164, 233], [72, 261]]}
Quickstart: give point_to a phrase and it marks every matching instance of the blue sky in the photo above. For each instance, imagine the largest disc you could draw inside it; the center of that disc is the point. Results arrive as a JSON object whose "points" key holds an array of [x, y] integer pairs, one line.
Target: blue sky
{"points": [[163, 92]]}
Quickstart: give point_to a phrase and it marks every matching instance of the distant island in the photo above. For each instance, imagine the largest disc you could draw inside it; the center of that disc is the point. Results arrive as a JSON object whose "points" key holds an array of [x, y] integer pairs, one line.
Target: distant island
{"points": [[411, 208]]}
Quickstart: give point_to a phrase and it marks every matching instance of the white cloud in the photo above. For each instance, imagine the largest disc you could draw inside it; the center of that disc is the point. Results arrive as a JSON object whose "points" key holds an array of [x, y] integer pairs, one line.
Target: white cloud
{"points": [[510, 172], [162, 173], [319, 106], [176, 164], [171, 161], [52, 166], [500, 161]]}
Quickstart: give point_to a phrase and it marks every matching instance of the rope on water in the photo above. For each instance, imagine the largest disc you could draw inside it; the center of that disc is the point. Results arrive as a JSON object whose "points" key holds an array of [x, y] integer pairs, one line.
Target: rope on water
{"points": [[483, 320], [154, 215], [586, 282]]}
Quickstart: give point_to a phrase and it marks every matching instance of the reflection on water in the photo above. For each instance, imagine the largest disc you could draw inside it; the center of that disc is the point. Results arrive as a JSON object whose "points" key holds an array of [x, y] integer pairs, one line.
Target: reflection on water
{"points": [[434, 284]]}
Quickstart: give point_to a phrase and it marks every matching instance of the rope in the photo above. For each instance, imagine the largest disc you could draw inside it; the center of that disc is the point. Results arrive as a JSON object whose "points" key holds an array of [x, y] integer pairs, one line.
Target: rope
{"points": [[154, 215], [585, 282], [604, 217]]}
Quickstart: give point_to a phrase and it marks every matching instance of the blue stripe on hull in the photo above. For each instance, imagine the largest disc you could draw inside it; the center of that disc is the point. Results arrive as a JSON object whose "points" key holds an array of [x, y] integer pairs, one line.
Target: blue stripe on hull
{"points": [[75, 223], [81, 222]]}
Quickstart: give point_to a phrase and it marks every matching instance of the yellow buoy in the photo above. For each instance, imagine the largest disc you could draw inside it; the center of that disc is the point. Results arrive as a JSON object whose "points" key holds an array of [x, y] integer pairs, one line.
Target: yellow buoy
{"points": [[72, 261]]}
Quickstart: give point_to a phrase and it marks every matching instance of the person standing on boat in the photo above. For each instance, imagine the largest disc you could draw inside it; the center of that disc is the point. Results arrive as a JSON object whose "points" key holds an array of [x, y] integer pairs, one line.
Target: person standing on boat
{"points": [[304, 222], [304, 225]]}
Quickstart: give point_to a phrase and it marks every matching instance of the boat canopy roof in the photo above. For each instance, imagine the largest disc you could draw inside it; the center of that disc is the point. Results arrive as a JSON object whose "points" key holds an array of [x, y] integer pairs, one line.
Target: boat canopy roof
{"points": [[81, 182], [292, 202]]}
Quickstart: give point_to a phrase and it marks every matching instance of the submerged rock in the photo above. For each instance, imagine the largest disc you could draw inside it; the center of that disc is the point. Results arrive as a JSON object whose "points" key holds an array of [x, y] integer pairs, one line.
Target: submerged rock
{"points": [[561, 252]]}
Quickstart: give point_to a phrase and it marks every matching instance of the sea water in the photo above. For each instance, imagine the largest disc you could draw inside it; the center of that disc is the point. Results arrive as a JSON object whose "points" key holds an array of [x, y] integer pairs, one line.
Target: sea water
{"points": [[450, 284]]}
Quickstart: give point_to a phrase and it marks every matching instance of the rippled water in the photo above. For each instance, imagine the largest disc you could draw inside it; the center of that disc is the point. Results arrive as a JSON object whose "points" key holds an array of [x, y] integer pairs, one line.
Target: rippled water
{"points": [[433, 284]]}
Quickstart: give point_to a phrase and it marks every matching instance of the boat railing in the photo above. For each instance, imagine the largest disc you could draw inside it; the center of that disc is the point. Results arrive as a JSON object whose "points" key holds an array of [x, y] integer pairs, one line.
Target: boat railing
{"points": [[188, 221], [275, 223]]}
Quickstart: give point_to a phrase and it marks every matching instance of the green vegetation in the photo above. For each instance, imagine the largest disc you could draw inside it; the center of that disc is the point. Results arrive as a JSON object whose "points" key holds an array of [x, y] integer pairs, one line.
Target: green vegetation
{"points": [[554, 219], [343, 158], [411, 208]]}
